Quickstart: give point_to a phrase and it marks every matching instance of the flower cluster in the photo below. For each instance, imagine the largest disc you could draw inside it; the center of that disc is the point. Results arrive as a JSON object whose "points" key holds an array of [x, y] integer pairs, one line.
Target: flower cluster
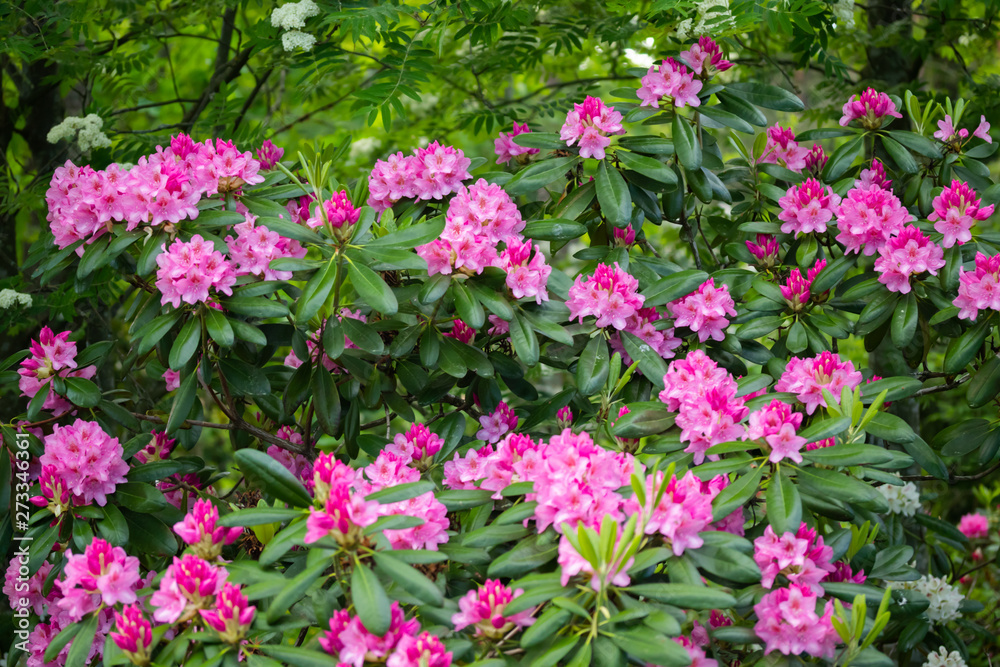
{"points": [[589, 124], [85, 460], [800, 556], [870, 108], [52, 355], [704, 310], [610, 294], [873, 176], [948, 134], [189, 270], [673, 81], [945, 599], [340, 511], [134, 634], [269, 155], [705, 58], [807, 378], [386, 471], [255, 247], [338, 211], [495, 426], [788, 623], [956, 210], [484, 609], [942, 658], [102, 574], [782, 148], [158, 448], [704, 397], [797, 289], [506, 148], [974, 526], [683, 511], [200, 531], [232, 615], [352, 644], [816, 160], [765, 249], [430, 173], [418, 445], [868, 218], [807, 207], [906, 255], [775, 426], [902, 498], [642, 325], [527, 272], [979, 289]]}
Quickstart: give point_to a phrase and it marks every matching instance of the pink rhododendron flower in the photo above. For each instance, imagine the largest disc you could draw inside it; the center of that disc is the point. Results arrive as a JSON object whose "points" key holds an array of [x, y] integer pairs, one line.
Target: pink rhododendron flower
{"points": [[946, 131], [340, 512], [589, 124], [776, 425], [461, 332], [807, 207], [494, 426], [349, 642], [493, 468], [610, 294], [909, 254], [232, 615], [704, 310], [256, 246], [796, 289], [979, 289], [868, 218], [269, 155], [670, 80], [337, 210], [200, 530], [974, 526], [294, 463], [424, 650], [158, 449], [816, 160], [684, 510], [28, 590], [440, 170], [134, 634], [782, 148], [51, 355], [642, 325], [788, 623], [233, 168], [102, 574], [696, 651], [172, 379], [387, 471], [86, 460], [189, 270], [765, 248], [705, 58], [564, 417], [956, 210], [843, 572], [507, 149], [188, 585], [527, 272], [800, 556], [983, 130], [483, 608], [392, 179], [463, 472], [689, 378], [870, 108], [417, 444], [809, 377], [873, 176]]}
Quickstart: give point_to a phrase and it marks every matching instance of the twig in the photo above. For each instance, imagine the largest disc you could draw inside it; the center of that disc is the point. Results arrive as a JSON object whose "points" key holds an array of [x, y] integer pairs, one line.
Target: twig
{"points": [[952, 479]]}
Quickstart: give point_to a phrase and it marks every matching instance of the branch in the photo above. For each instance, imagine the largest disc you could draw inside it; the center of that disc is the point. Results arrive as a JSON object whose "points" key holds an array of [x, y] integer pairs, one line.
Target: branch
{"points": [[948, 386], [952, 479], [258, 433]]}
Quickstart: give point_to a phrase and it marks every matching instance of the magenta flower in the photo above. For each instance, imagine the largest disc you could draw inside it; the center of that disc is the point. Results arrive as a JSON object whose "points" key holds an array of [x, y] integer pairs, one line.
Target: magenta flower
{"points": [[788, 623], [440, 171], [983, 130], [233, 168], [232, 614], [102, 574], [807, 207], [870, 108], [507, 149], [28, 593], [86, 460], [624, 238], [867, 219], [809, 377], [527, 272], [610, 295], [269, 155], [296, 464], [337, 210], [796, 289], [158, 449], [979, 289], [705, 58], [776, 424], [909, 254], [189, 270], [189, 585], [974, 526], [684, 510], [256, 246], [417, 444], [766, 249], [816, 160], [956, 210], [461, 332], [842, 572], [781, 148], [670, 80], [642, 325], [340, 511], [55, 493], [350, 642], [424, 650], [712, 420], [800, 556], [696, 650], [495, 426], [172, 379], [484, 609], [389, 470], [874, 176], [134, 635], [200, 531], [590, 124], [688, 378], [564, 417], [51, 355], [704, 310], [390, 180], [947, 132]]}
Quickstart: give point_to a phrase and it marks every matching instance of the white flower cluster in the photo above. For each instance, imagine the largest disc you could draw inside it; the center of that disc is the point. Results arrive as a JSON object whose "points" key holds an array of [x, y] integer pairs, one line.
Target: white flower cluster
{"points": [[945, 598], [88, 127], [291, 17], [903, 499], [712, 14], [10, 298], [941, 658], [843, 12]]}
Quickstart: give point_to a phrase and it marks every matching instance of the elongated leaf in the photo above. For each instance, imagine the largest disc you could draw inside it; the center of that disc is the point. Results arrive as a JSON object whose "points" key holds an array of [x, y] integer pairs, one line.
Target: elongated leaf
{"points": [[554, 230], [686, 144], [688, 596], [767, 96], [843, 158], [524, 340], [648, 167], [613, 195], [370, 600], [79, 650], [410, 579], [539, 175], [593, 366], [316, 292], [185, 344], [219, 328], [372, 289], [264, 472], [737, 493], [784, 506], [184, 400], [673, 287]]}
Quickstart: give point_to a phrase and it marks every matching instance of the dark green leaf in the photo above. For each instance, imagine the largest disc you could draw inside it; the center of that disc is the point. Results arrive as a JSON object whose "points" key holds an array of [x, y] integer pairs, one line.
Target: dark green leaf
{"points": [[686, 144], [264, 472], [370, 600]]}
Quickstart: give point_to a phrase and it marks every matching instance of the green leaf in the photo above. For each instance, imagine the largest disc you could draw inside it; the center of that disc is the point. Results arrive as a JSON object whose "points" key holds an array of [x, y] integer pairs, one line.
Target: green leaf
{"points": [[961, 438], [468, 307], [187, 394], [688, 596], [767, 96], [409, 578], [830, 484], [370, 600], [916, 143], [399, 492], [826, 428], [548, 140], [316, 292], [613, 195], [295, 589], [845, 455], [79, 650], [961, 350], [185, 344], [593, 366], [895, 388], [82, 393], [650, 362], [412, 236], [843, 158], [372, 289], [95, 256], [545, 626], [493, 301], [648, 645], [737, 494], [113, 527], [540, 174], [326, 400], [648, 167], [526, 556], [258, 516], [147, 534], [463, 499], [293, 655], [686, 144], [151, 333], [673, 287], [724, 118], [244, 379], [642, 422], [362, 335], [154, 470], [264, 472], [890, 427], [218, 328], [833, 273], [524, 340], [554, 230], [900, 156], [784, 506], [904, 321], [254, 306], [985, 384], [56, 645]]}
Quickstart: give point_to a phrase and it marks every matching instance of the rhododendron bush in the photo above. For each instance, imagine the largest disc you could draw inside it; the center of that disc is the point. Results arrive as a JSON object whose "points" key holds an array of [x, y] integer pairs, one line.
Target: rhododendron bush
{"points": [[600, 398]]}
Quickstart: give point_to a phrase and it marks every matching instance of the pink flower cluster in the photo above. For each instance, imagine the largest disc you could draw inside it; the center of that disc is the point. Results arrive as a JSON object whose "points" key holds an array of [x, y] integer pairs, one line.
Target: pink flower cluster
{"points": [[55, 494], [956, 210], [401, 646], [906, 255], [807, 378], [816, 160], [340, 510], [430, 173], [868, 217], [527, 272], [484, 609], [704, 397], [974, 526], [642, 325], [979, 289], [102, 574], [294, 463], [672, 80], [610, 294], [337, 210], [232, 615], [765, 248], [135, 634], [256, 246], [807, 207], [200, 531], [158, 449], [189, 585], [781, 148], [800, 556], [776, 424], [948, 134], [705, 58], [269, 155], [389, 470], [51, 355], [461, 332], [507, 149], [796, 289], [189, 270], [589, 125], [85, 460], [30, 591], [788, 623], [870, 108], [493, 427], [494, 469], [704, 310], [418, 445], [683, 511]]}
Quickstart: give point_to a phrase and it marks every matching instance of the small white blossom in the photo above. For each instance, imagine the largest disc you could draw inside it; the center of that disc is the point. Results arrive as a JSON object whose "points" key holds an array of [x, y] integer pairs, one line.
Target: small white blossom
{"points": [[10, 298], [296, 39], [87, 131], [945, 598], [903, 499], [293, 15], [941, 658]]}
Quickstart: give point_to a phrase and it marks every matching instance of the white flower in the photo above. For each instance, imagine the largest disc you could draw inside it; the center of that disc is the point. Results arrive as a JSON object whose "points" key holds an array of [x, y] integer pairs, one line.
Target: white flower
{"points": [[293, 15], [944, 598], [843, 12], [364, 146], [10, 298], [903, 499], [296, 39], [87, 131], [941, 658]]}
